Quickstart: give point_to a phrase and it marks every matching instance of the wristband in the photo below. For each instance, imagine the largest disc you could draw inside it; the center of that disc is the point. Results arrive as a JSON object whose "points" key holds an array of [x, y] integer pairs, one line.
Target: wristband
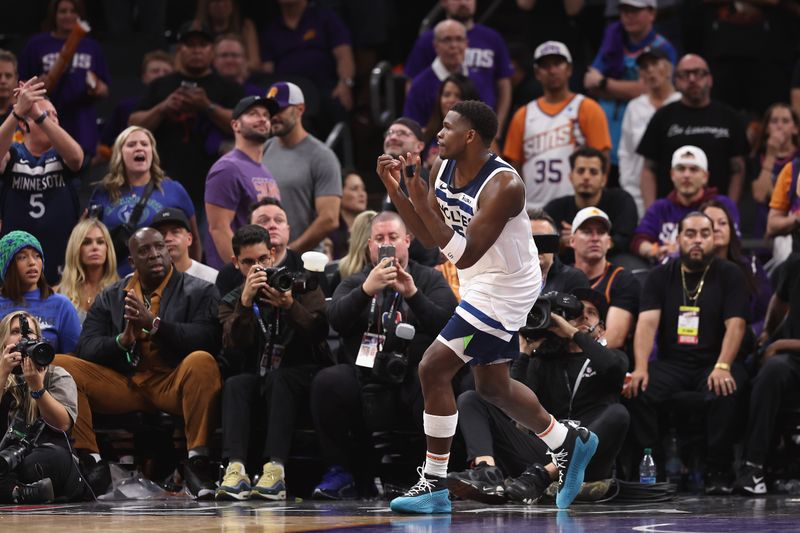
{"points": [[40, 118], [21, 119], [455, 248], [723, 366], [128, 353], [36, 394], [154, 328]]}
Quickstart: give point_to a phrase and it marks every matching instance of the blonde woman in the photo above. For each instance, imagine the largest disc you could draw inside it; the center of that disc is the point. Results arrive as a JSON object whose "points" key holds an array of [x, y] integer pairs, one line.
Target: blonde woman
{"points": [[135, 189], [357, 253], [91, 265], [47, 393]]}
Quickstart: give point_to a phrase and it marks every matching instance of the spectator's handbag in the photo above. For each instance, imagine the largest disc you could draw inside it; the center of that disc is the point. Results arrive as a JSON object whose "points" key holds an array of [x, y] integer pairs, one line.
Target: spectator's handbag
{"points": [[122, 233]]}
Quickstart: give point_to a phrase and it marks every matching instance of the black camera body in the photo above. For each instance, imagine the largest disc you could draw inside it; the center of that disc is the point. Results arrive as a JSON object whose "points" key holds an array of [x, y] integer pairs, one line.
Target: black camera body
{"points": [[284, 280], [539, 320], [18, 441], [41, 352], [391, 363]]}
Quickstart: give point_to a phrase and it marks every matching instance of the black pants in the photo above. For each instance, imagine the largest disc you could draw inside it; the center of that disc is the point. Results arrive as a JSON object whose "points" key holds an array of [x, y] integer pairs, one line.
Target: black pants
{"points": [[490, 432], [277, 398], [51, 461], [722, 412], [777, 379]]}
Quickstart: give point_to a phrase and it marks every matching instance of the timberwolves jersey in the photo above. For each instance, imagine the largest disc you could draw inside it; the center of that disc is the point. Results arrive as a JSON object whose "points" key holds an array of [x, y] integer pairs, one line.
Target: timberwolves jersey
{"points": [[504, 283]]}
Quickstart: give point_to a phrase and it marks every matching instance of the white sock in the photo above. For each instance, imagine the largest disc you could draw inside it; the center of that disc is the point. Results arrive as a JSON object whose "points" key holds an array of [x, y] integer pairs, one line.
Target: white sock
{"points": [[436, 464], [555, 434], [96, 457], [238, 465], [279, 465]]}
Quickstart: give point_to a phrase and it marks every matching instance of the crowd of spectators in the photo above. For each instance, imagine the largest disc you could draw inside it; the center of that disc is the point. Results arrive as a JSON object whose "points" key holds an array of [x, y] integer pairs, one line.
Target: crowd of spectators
{"points": [[661, 187]]}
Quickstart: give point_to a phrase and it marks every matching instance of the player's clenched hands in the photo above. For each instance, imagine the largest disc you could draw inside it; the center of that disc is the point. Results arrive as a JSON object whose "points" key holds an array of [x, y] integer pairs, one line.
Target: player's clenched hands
{"points": [[417, 188], [389, 172]]}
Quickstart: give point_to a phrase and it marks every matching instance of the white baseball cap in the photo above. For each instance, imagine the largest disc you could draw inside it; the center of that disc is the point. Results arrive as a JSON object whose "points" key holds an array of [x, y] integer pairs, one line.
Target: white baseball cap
{"points": [[588, 213], [641, 4], [691, 156], [552, 48]]}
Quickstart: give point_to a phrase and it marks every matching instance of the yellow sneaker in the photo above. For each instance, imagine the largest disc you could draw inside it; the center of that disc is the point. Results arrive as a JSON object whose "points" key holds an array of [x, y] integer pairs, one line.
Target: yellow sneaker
{"points": [[271, 485], [235, 485]]}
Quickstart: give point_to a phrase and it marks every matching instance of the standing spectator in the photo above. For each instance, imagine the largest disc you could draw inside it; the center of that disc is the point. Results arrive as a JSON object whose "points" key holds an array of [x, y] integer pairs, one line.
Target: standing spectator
{"points": [[230, 62], [784, 206], [544, 133], [695, 309], [655, 238], [311, 41], [188, 112], [84, 80], [354, 202], [455, 88], [308, 172], [220, 17], [90, 265], [614, 77], [24, 288], [655, 72], [238, 179], [135, 178], [404, 135], [487, 59], [39, 175], [9, 80], [177, 233], [695, 120]]}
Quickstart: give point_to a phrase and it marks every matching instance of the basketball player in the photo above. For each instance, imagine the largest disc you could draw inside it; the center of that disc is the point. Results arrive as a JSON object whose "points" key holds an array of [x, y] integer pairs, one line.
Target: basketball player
{"points": [[474, 212]]}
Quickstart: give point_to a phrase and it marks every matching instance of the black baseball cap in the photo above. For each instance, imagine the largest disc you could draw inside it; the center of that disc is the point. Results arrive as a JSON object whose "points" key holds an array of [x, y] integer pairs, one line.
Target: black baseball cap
{"points": [[249, 101], [189, 33], [590, 295], [171, 215], [651, 53]]}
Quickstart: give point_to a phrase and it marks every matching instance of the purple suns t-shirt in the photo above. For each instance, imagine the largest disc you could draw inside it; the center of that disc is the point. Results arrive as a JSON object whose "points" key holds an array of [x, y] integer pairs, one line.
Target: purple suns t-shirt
{"points": [[236, 182]]}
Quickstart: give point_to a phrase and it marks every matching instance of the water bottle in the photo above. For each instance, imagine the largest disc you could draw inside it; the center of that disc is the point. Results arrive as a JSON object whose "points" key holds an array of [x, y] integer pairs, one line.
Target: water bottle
{"points": [[647, 468]]}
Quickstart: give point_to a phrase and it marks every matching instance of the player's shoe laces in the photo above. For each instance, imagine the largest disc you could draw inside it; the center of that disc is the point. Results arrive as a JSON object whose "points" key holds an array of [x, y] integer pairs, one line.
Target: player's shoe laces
{"points": [[571, 459], [428, 496]]}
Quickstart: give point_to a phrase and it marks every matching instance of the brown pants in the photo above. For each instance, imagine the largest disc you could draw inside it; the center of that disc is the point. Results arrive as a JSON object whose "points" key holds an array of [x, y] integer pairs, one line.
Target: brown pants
{"points": [[191, 390]]}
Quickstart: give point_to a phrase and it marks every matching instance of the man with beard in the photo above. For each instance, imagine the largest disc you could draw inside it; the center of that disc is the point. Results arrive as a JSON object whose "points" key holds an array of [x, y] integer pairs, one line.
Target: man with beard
{"points": [[308, 172], [697, 306], [239, 179], [589, 178]]}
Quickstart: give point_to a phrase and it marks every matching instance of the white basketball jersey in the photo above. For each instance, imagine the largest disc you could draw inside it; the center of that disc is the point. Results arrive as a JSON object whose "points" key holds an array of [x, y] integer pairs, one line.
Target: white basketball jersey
{"points": [[548, 142]]}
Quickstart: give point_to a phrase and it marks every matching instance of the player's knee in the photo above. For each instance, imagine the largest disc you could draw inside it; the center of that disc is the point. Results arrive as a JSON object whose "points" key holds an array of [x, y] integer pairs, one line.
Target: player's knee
{"points": [[495, 393]]}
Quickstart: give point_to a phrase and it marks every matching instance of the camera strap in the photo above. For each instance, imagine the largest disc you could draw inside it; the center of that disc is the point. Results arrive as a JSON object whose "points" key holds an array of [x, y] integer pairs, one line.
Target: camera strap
{"points": [[573, 390], [269, 332]]}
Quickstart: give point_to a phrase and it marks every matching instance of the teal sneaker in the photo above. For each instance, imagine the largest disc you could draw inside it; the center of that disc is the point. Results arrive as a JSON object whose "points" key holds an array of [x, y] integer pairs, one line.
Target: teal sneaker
{"points": [[571, 459], [428, 496]]}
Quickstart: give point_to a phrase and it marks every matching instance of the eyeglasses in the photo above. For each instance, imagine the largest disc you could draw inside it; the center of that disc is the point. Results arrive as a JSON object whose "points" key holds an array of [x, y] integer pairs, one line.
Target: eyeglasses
{"points": [[397, 133], [247, 261], [697, 73], [452, 39]]}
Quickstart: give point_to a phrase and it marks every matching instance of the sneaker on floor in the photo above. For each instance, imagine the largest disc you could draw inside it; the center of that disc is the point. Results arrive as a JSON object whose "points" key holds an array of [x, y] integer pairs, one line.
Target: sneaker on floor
{"points": [[198, 477], [336, 484], [271, 485], [483, 483], [530, 486], [428, 496], [37, 492], [235, 484], [571, 459], [718, 482], [751, 480], [96, 473]]}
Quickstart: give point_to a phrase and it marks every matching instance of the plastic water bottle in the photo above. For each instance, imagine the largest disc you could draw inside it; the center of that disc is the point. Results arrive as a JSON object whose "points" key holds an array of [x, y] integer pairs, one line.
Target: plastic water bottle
{"points": [[647, 468]]}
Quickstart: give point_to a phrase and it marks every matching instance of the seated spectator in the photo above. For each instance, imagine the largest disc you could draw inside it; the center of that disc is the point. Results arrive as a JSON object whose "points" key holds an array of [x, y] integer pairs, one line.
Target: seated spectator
{"points": [[308, 172], [270, 215], [589, 177], [155, 64], [40, 181], [454, 88], [9, 80], [24, 287], [44, 394], [777, 145], [189, 113], [575, 378], [415, 294], [591, 241], [543, 134], [85, 77], [784, 205], [655, 72], [90, 265], [221, 17], [694, 308], [778, 378], [175, 228], [135, 179], [277, 370], [357, 256], [230, 62], [146, 345], [556, 275], [655, 238], [354, 202], [238, 179]]}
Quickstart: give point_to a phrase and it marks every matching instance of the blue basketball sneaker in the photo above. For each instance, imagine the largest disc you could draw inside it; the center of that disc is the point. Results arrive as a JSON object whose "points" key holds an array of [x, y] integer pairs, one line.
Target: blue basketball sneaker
{"points": [[571, 459], [428, 496]]}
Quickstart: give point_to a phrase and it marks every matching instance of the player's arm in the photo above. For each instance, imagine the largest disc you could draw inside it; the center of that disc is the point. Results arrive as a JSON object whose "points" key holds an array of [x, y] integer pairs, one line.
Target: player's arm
{"points": [[389, 170]]}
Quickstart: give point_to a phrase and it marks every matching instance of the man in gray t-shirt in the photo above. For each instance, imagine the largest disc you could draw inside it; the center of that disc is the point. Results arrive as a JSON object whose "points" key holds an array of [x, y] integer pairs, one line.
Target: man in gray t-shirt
{"points": [[308, 172]]}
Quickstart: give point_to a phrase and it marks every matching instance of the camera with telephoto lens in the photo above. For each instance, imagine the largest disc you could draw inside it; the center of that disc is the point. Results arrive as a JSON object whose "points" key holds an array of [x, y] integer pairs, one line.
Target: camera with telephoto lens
{"points": [[37, 349], [391, 363], [539, 320], [18, 441]]}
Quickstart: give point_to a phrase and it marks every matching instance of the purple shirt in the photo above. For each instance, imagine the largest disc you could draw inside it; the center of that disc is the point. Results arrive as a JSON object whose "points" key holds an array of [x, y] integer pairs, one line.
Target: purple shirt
{"points": [[76, 109], [308, 49], [236, 182]]}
